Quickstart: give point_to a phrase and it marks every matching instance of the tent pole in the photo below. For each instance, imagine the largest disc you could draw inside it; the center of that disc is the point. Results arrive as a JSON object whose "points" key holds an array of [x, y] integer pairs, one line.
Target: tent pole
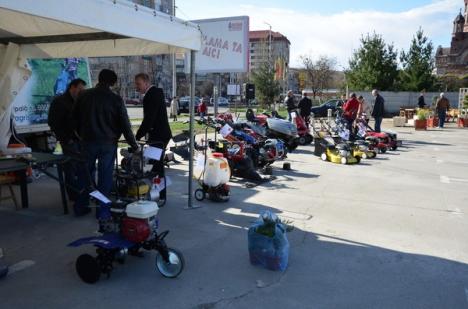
{"points": [[191, 130]]}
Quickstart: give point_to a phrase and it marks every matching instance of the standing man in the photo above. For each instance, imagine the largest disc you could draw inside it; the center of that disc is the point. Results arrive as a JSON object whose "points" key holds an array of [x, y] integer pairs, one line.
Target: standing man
{"points": [[443, 105], [101, 118], [60, 121], [202, 109], [379, 110], [155, 124], [305, 107], [290, 104], [350, 111], [174, 108], [421, 101]]}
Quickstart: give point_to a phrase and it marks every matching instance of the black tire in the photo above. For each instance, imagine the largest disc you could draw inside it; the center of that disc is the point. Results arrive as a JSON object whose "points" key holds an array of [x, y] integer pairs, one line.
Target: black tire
{"points": [[302, 140], [358, 159], [268, 170], [383, 150], [394, 148], [88, 268], [292, 146], [199, 195], [309, 139], [169, 271]]}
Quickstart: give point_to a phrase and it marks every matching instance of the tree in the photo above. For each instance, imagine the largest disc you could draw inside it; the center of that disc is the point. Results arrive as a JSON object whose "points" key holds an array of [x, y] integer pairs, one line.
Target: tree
{"points": [[207, 89], [373, 65], [266, 87], [418, 64], [319, 73]]}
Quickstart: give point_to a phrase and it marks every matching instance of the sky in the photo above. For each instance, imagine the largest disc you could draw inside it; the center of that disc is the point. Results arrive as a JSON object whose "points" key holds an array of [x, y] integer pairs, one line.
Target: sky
{"points": [[334, 27]]}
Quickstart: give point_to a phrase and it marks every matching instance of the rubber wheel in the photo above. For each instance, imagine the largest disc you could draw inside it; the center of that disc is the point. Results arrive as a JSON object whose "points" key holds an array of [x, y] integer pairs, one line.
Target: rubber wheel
{"points": [[174, 267], [383, 150], [161, 203], [309, 139], [268, 170], [88, 268], [324, 156], [344, 160], [394, 148], [302, 140], [358, 159], [200, 195], [364, 156]]}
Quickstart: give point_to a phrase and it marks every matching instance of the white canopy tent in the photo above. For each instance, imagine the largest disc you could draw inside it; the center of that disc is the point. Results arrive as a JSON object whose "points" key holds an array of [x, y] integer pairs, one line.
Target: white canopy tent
{"points": [[85, 28]]}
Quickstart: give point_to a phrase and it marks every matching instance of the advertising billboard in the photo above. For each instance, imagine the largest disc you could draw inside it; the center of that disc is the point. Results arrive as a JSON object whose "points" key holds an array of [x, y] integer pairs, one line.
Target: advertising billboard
{"points": [[225, 45], [50, 77]]}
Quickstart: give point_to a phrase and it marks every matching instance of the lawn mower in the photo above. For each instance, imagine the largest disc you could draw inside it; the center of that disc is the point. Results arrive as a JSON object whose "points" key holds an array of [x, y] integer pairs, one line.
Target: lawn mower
{"points": [[340, 153], [340, 134], [305, 138], [274, 128], [333, 150]]}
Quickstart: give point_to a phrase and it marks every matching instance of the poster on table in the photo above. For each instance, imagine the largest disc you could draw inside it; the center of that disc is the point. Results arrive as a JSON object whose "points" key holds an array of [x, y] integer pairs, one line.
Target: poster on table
{"points": [[225, 45], [49, 78]]}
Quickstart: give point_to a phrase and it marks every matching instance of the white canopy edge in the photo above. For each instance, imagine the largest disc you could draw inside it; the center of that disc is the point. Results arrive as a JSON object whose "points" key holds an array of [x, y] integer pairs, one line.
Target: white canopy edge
{"points": [[153, 32]]}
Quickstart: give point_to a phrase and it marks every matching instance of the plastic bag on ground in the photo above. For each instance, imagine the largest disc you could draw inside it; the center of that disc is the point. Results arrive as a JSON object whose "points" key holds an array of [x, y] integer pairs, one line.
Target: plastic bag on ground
{"points": [[268, 244]]}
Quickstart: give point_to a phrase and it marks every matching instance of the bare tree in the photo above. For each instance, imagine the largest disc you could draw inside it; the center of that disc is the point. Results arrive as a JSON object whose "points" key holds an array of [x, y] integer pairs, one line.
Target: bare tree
{"points": [[319, 73]]}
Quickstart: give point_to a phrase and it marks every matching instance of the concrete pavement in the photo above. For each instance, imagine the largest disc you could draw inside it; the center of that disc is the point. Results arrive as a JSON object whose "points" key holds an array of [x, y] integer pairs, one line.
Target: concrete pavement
{"points": [[388, 233]]}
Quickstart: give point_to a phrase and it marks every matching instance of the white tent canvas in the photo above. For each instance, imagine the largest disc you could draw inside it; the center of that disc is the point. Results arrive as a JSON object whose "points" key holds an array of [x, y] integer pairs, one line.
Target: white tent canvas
{"points": [[85, 28]]}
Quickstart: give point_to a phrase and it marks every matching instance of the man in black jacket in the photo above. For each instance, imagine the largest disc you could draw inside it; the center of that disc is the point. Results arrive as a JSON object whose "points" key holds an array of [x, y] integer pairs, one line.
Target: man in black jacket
{"points": [[101, 118], [421, 101], [379, 110], [305, 107], [60, 121], [155, 125], [290, 104]]}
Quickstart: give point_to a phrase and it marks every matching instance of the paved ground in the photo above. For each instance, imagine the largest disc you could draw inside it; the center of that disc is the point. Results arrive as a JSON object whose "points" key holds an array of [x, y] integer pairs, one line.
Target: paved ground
{"points": [[390, 233]]}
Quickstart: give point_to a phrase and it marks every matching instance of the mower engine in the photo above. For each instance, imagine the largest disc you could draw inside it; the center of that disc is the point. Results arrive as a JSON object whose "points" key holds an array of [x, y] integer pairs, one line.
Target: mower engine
{"points": [[140, 223], [131, 163]]}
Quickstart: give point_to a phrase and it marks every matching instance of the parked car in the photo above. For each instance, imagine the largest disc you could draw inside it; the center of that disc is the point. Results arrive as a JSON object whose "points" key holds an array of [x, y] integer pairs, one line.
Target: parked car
{"points": [[185, 102], [223, 101], [132, 102], [322, 110]]}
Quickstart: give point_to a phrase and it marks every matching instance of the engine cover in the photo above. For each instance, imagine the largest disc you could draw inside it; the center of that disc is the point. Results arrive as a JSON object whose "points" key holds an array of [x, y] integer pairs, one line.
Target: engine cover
{"points": [[135, 230]]}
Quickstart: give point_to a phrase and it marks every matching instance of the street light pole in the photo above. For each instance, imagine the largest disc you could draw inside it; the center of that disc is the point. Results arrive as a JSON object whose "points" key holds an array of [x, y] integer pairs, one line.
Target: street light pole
{"points": [[174, 73], [269, 46]]}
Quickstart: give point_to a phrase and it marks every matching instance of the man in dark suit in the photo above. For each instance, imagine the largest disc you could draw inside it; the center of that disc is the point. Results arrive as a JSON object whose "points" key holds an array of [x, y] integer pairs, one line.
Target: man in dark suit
{"points": [[305, 107], [155, 125], [60, 121], [379, 110]]}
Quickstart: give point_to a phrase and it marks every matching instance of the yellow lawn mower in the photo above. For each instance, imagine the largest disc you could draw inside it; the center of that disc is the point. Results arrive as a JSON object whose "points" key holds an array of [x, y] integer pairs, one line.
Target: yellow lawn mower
{"points": [[340, 153]]}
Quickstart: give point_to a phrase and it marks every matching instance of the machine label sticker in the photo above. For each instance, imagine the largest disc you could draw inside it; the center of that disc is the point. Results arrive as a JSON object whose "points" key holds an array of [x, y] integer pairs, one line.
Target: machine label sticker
{"points": [[153, 153], [226, 130], [100, 197]]}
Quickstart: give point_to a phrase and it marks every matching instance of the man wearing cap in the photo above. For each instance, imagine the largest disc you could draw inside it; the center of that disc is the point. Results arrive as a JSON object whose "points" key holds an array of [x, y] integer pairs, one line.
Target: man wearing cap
{"points": [[443, 105], [379, 109]]}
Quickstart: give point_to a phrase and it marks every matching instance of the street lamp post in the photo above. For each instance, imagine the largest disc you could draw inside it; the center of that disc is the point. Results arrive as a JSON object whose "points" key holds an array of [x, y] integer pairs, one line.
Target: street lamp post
{"points": [[269, 46]]}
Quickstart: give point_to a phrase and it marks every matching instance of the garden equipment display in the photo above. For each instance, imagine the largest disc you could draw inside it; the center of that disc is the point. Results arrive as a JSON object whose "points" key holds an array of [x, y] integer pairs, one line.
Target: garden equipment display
{"points": [[274, 128], [305, 138], [126, 228], [132, 180]]}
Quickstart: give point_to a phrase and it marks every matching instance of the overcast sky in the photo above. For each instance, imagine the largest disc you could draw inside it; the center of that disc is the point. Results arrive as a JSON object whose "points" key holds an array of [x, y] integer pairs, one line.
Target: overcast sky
{"points": [[333, 27]]}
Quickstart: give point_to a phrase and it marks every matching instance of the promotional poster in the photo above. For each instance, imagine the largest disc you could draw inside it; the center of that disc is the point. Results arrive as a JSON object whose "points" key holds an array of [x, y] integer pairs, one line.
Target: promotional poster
{"points": [[49, 78]]}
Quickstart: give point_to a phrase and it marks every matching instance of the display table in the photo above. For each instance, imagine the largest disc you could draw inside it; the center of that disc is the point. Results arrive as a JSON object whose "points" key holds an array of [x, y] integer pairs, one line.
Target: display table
{"points": [[39, 161]]}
